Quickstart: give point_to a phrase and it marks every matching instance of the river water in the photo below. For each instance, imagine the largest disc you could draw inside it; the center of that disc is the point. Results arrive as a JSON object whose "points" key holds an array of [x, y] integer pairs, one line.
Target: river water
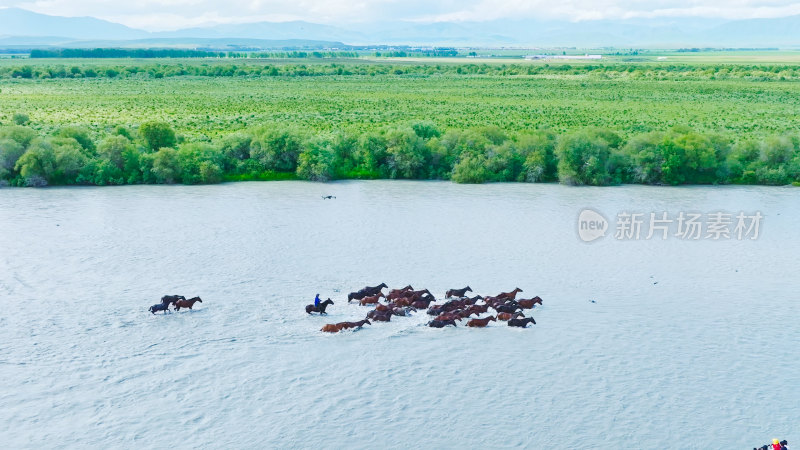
{"points": [[688, 344]]}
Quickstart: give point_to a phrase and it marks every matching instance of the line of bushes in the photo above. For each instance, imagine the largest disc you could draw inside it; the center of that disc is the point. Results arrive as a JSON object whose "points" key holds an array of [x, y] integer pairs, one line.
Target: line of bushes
{"points": [[153, 153], [166, 68]]}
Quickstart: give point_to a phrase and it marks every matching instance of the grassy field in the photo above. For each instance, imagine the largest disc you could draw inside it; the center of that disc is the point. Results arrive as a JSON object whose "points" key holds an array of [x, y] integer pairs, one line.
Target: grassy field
{"points": [[207, 107], [723, 103]]}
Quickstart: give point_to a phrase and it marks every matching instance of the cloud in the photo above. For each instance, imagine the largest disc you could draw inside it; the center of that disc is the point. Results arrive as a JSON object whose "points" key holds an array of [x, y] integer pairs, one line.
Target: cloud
{"points": [[173, 14]]}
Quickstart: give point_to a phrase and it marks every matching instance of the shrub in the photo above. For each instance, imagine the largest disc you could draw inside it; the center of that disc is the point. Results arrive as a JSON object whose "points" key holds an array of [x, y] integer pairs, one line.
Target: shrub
{"points": [[21, 118], [158, 135]]}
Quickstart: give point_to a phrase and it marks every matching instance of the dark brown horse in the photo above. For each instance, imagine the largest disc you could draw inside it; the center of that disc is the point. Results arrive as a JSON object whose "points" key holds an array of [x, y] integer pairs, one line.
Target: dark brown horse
{"points": [[357, 295], [372, 290], [480, 323], [319, 309], [371, 300], [457, 292], [472, 300], [441, 323], [522, 323], [366, 292], [528, 303], [186, 303], [167, 299], [507, 308], [160, 307]]}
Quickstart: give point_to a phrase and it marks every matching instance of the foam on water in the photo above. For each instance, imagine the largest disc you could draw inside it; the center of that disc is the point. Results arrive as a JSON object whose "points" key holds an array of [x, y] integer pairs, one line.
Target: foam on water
{"points": [[705, 357]]}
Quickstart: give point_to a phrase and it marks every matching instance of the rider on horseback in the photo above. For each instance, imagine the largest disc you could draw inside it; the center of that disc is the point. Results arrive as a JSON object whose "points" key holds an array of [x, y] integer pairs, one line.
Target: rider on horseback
{"points": [[316, 301]]}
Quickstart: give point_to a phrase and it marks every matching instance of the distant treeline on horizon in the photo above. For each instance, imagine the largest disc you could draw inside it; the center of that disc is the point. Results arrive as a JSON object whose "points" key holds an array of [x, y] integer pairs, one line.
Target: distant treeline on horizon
{"points": [[287, 52]]}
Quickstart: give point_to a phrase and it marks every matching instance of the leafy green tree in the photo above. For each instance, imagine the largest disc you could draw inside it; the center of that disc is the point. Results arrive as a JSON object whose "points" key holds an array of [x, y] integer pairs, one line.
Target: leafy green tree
{"points": [[70, 161], [471, 168], [583, 159], [443, 160], [38, 164], [277, 149], [317, 162], [158, 135], [166, 167], [10, 152], [110, 165], [236, 149], [645, 151], [406, 154], [538, 150], [503, 162], [19, 134], [371, 155], [81, 135], [426, 129], [200, 163]]}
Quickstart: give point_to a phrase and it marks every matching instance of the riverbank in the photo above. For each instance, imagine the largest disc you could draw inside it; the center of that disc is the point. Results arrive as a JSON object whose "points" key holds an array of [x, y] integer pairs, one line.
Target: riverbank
{"points": [[154, 154]]}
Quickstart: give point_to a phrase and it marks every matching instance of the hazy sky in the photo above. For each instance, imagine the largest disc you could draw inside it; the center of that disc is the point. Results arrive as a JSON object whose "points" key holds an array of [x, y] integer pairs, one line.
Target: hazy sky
{"points": [[172, 14]]}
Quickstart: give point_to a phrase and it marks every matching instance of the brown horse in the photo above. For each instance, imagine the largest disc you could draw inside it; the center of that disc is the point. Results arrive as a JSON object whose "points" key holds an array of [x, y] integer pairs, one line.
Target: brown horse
{"points": [[528, 303], [385, 316], [480, 323], [448, 316], [421, 304], [186, 303], [457, 292], [321, 309], [401, 302], [509, 295], [348, 325], [401, 290], [508, 316], [331, 328], [381, 307], [371, 300], [414, 295], [478, 309], [472, 300]]}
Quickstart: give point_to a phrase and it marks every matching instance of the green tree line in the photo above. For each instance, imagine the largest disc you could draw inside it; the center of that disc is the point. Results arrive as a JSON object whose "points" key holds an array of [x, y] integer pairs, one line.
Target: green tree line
{"points": [[153, 153], [124, 53], [681, 72]]}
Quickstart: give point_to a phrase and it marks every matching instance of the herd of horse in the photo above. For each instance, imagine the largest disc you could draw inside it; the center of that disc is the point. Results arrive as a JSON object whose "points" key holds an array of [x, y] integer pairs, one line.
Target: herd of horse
{"points": [[405, 301], [178, 301]]}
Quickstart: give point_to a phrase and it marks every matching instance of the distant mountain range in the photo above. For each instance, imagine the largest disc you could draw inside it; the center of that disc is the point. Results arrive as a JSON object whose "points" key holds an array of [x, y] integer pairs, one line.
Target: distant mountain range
{"points": [[20, 28]]}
